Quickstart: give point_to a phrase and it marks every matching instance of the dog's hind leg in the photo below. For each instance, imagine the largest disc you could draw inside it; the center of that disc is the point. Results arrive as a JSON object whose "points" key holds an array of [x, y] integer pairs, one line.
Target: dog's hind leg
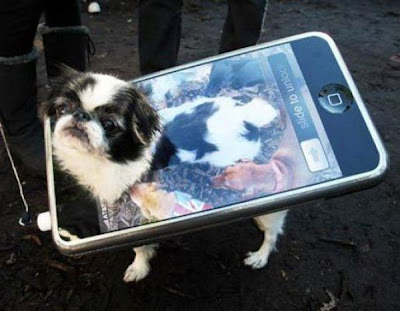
{"points": [[140, 266], [272, 226]]}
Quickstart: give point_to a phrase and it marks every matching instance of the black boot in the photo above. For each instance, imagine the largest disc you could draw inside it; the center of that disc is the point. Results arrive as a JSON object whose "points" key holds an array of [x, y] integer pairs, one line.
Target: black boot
{"points": [[69, 46], [8, 184], [18, 111], [9, 190], [243, 24]]}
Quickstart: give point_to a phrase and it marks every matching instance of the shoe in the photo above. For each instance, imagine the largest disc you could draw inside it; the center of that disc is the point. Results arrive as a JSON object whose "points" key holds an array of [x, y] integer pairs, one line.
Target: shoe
{"points": [[9, 190], [8, 184], [70, 46], [29, 149], [18, 112], [94, 7]]}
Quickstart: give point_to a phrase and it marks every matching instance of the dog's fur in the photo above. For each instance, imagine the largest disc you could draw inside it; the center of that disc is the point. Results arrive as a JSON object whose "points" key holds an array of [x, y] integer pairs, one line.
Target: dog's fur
{"points": [[105, 135], [219, 131]]}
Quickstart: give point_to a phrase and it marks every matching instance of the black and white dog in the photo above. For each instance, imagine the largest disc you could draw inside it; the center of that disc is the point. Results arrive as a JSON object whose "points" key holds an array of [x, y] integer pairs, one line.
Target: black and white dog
{"points": [[105, 134]]}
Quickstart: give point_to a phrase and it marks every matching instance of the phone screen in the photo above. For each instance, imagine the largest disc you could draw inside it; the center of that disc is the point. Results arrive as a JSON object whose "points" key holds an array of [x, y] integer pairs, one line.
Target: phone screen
{"points": [[243, 127]]}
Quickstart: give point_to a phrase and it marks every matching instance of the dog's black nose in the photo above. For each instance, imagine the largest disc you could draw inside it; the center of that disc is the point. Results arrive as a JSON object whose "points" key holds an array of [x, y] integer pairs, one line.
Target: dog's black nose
{"points": [[81, 116]]}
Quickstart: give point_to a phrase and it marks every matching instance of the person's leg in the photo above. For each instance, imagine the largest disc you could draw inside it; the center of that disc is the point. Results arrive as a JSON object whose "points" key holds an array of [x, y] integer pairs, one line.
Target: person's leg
{"points": [[65, 40], [18, 114], [18, 22], [159, 34], [243, 24], [8, 184]]}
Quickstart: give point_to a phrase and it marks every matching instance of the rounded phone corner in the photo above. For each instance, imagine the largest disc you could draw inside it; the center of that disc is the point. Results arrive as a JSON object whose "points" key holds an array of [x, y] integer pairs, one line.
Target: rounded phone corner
{"points": [[65, 247], [322, 35], [380, 171]]}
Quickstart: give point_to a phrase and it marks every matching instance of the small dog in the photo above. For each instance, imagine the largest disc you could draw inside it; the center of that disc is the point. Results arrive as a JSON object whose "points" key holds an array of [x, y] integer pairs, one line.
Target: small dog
{"points": [[107, 135]]}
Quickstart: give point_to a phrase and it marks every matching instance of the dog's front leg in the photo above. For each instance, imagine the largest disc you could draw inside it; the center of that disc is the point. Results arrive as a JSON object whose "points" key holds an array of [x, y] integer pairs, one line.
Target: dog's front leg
{"points": [[140, 266], [272, 226]]}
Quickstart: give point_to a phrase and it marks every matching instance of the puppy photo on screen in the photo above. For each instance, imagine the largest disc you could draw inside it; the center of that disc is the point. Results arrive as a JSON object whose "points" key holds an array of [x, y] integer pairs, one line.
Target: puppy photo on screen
{"points": [[108, 137]]}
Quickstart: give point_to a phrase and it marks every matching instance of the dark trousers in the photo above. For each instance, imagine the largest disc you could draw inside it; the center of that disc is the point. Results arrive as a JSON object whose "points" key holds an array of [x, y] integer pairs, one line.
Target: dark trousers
{"points": [[18, 24], [19, 20], [18, 114], [160, 30]]}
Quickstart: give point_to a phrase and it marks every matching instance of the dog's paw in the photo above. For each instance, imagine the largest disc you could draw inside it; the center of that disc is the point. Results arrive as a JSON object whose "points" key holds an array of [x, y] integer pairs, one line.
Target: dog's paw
{"points": [[136, 272], [256, 260]]}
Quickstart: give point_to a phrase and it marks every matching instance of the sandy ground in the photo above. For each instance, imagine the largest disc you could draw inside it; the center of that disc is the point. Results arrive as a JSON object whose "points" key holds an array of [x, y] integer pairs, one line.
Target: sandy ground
{"points": [[204, 271]]}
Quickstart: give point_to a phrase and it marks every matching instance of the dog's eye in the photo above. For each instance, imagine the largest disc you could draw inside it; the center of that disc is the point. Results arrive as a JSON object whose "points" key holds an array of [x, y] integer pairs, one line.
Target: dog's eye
{"points": [[61, 109], [109, 125]]}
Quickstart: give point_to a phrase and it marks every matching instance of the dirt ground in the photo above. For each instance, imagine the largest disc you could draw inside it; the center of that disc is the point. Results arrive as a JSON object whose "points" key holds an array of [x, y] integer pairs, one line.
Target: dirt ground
{"points": [[347, 247]]}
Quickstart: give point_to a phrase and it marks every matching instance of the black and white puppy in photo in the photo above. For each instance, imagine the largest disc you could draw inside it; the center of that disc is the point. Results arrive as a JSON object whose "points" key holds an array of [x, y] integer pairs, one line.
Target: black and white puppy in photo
{"points": [[104, 134]]}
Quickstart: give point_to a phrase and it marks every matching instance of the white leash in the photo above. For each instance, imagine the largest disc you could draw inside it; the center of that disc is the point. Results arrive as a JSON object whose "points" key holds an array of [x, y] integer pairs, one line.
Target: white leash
{"points": [[26, 217]]}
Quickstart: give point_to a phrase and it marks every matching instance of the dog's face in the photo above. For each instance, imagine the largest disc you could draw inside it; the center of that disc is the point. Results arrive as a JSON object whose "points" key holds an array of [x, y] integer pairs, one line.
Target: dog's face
{"points": [[101, 116]]}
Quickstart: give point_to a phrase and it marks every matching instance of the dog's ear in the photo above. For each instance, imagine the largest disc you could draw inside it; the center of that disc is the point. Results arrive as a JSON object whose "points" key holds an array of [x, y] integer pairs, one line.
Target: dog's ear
{"points": [[66, 75], [46, 110], [146, 121]]}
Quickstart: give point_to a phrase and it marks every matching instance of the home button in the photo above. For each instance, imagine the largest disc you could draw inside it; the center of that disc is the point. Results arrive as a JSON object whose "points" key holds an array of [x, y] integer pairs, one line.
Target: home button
{"points": [[335, 98]]}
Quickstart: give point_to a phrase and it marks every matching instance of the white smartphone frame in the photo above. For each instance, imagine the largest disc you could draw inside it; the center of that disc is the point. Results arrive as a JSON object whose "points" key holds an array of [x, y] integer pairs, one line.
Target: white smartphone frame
{"points": [[145, 234]]}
